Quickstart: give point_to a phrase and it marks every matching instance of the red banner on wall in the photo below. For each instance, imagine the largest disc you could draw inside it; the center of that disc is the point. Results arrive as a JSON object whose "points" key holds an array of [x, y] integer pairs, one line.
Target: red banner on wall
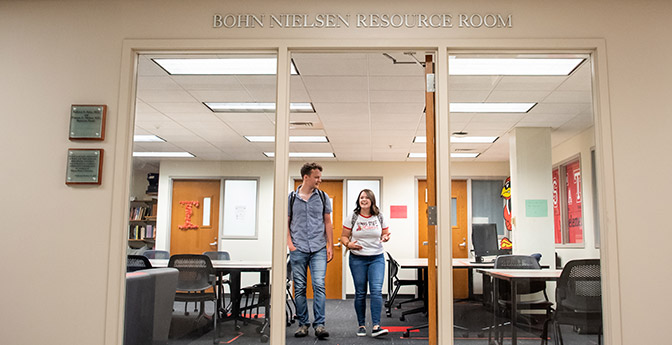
{"points": [[574, 213], [557, 215]]}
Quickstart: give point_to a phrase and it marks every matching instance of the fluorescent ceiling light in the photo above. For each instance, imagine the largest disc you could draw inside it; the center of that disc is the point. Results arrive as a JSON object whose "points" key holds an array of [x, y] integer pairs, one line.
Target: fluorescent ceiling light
{"points": [[292, 139], [511, 66], [420, 139], [147, 138], [452, 155], [464, 154], [164, 154], [223, 66], [304, 154], [472, 140], [251, 107], [491, 107]]}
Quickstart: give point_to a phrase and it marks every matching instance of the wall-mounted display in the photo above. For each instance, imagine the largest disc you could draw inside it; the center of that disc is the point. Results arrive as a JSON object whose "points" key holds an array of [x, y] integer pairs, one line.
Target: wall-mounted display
{"points": [[87, 122], [85, 166]]}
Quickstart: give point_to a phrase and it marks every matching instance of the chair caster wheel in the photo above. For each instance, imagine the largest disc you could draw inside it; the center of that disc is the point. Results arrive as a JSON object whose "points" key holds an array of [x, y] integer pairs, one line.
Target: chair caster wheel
{"points": [[264, 338], [402, 318], [389, 314], [237, 327], [405, 334]]}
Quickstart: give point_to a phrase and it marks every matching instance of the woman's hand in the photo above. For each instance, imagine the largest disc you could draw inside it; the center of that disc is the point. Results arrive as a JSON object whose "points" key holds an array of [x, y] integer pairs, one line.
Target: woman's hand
{"points": [[354, 246], [385, 237]]}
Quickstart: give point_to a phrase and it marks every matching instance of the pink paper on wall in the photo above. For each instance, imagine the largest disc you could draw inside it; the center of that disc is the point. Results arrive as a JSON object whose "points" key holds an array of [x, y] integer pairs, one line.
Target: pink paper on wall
{"points": [[398, 211]]}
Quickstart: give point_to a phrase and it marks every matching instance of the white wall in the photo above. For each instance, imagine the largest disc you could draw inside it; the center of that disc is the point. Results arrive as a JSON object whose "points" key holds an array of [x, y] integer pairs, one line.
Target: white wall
{"points": [[58, 53]]}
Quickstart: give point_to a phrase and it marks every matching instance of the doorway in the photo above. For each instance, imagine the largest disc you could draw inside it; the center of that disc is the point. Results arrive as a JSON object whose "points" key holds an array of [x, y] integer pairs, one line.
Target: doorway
{"points": [[194, 225]]}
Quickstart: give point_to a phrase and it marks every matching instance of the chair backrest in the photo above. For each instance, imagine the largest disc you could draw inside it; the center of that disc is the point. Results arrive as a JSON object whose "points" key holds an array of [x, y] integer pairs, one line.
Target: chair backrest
{"points": [[218, 255], [196, 272], [157, 254], [579, 287], [519, 262], [393, 265], [137, 262]]}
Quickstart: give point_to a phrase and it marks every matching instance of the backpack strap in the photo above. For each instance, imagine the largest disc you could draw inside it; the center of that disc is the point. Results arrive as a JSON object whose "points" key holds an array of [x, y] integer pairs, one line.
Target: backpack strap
{"points": [[291, 205], [323, 198]]}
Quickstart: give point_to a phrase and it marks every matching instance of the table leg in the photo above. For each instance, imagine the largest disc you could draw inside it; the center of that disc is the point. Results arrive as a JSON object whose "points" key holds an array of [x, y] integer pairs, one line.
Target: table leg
{"points": [[514, 311]]}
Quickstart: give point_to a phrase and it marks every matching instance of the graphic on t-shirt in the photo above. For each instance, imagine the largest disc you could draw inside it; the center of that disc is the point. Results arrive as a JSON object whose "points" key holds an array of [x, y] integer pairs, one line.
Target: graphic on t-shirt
{"points": [[367, 225]]}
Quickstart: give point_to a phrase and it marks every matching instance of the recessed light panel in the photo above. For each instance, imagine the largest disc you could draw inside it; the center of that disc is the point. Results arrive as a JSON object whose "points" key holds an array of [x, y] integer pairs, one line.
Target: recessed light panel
{"points": [[512, 66], [164, 154], [464, 154], [304, 154], [147, 138], [292, 139], [255, 107], [417, 155], [491, 107], [223, 66]]}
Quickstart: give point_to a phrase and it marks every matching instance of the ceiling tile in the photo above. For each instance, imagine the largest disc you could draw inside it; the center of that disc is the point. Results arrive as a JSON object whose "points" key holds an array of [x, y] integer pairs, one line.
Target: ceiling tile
{"points": [[535, 83], [392, 83], [153, 96], [517, 96]]}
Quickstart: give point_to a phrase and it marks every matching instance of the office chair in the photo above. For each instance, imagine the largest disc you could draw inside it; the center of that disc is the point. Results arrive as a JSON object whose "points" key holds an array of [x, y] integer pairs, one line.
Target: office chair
{"points": [[579, 298], [221, 255], [157, 254], [137, 262], [290, 309], [256, 296], [196, 276], [393, 270], [533, 287]]}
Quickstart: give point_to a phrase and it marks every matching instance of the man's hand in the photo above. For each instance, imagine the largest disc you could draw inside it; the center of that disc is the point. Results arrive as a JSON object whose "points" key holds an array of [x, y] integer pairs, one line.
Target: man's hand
{"points": [[330, 252], [291, 247]]}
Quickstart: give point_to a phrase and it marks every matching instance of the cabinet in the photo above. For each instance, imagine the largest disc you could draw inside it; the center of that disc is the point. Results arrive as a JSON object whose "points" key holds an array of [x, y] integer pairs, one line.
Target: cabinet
{"points": [[142, 224]]}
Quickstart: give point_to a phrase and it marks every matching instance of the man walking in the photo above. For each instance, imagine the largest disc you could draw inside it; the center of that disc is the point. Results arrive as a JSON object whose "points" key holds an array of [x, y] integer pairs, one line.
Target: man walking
{"points": [[310, 242]]}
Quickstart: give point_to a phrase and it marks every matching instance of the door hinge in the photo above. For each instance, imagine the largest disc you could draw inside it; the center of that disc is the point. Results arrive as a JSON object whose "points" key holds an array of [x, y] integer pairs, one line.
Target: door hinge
{"points": [[431, 86], [431, 215]]}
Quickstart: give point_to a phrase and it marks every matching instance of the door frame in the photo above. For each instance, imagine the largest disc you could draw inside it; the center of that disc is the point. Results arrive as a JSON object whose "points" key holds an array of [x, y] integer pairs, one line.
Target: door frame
{"points": [[124, 122]]}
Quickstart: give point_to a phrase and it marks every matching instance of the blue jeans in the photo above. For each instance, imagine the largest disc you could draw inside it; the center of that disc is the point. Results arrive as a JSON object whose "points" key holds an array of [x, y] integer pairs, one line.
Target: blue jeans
{"points": [[369, 269], [317, 261]]}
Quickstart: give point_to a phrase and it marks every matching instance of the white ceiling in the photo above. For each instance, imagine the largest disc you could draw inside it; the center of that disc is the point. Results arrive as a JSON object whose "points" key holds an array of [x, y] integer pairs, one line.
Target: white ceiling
{"points": [[368, 107]]}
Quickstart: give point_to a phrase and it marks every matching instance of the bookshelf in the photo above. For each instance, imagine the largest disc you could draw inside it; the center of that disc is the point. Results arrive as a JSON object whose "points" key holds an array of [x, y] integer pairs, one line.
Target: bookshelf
{"points": [[142, 223]]}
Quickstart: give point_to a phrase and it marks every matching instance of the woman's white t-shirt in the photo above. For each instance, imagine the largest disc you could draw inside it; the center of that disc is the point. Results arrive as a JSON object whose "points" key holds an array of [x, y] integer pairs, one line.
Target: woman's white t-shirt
{"points": [[366, 231]]}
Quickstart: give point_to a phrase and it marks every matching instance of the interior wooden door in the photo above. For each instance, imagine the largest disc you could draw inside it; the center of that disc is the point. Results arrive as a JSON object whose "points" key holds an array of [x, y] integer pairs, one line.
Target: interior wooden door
{"points": [[422, 219], [188, 233], [460, 236], [430, 128], [334, 279]]}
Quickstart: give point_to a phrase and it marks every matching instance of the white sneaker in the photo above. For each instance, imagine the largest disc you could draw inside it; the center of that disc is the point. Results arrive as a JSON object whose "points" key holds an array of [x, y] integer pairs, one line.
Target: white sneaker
{"points": [[377, 331], [361, 332]]}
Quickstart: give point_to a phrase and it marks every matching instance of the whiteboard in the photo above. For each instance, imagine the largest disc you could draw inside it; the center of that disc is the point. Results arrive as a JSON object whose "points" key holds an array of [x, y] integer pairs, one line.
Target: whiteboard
{"points": [[240, 209], [354, 187]]}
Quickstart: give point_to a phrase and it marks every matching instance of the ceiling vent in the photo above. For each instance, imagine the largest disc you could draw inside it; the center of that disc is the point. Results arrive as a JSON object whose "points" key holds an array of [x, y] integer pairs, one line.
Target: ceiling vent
{"points": [[301, 124]]}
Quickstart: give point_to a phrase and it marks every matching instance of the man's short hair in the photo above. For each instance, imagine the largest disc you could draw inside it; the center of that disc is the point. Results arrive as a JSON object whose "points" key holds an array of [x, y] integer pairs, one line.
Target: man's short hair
{"points": [[307, 168]]}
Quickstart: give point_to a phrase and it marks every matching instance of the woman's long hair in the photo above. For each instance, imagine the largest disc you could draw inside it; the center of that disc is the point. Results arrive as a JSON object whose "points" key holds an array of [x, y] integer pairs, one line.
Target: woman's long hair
{"points": [[372, 197]]}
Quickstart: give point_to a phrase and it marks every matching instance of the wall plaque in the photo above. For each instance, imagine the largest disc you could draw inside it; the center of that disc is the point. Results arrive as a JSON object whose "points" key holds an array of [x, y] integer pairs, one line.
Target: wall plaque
{"points": [[87, 122], [85, 166]]}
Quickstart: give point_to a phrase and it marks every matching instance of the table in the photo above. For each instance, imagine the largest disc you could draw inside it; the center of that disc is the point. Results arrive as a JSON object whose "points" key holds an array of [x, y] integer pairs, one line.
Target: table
{"points": [[513, 277], [234, 268]]}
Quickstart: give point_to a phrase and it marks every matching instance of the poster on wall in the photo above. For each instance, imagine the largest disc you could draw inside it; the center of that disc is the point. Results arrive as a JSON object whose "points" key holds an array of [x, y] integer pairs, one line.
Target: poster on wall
{"points": [[557, 216], [574, 214]]}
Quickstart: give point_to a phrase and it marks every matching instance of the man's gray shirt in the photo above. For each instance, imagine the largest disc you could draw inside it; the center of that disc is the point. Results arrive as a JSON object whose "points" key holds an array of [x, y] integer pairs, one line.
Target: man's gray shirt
{"points": [[307, 226]]}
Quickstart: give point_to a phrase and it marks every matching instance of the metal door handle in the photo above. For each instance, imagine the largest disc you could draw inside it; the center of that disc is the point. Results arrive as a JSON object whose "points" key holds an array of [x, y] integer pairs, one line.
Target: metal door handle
{"points": [[425, 243], [213, 243], [463, 244], [337, 244]]}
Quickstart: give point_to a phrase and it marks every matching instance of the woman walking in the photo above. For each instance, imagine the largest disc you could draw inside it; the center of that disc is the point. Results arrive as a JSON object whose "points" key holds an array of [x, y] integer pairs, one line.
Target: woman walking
{"points": [[364, 232]]}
